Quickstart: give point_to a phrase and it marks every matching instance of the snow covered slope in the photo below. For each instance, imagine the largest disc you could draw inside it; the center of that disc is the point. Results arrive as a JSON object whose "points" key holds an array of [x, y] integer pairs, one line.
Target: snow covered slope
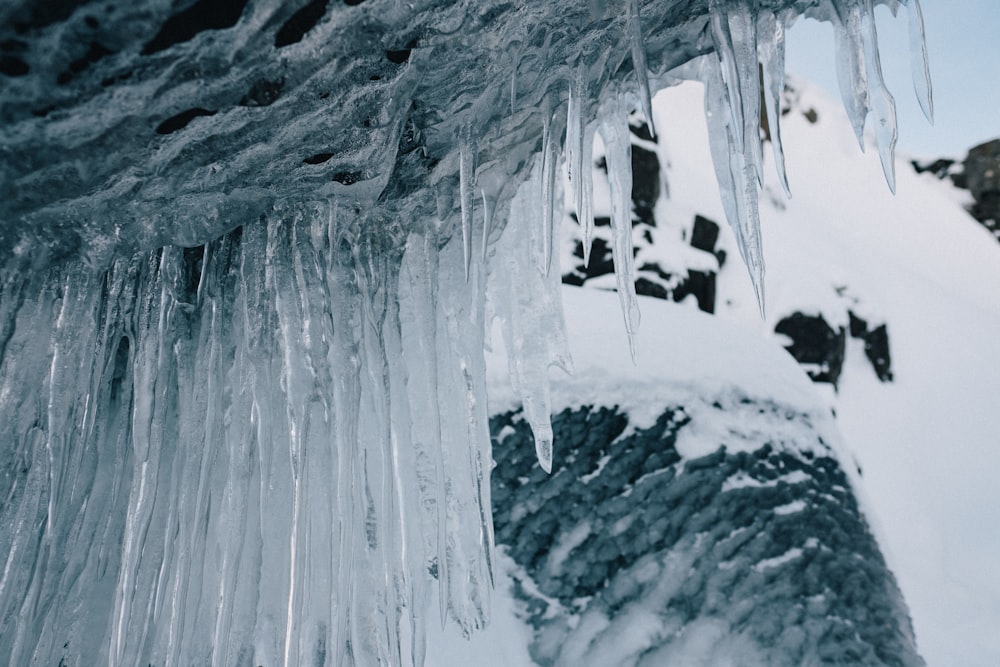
{"points": [[917, 262], [697, 513]]}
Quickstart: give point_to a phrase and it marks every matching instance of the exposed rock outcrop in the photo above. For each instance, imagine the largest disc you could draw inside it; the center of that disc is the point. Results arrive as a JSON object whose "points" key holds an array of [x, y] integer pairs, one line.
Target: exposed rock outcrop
{"points": [[630, 552]]}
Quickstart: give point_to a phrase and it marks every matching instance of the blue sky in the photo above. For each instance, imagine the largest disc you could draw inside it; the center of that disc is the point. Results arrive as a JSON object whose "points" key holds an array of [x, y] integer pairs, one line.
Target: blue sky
{"points": [[963, 39]]}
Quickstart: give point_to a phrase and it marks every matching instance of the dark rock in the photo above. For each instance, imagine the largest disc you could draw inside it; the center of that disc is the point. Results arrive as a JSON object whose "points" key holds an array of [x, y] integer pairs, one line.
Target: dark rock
{"points": [[982, 178], [982, 168], [770, 543], [940, 168], [704, 234], [318, 158], [398, 57], [180, 121], [876, 345], [186, 24], [702, 285], [13, 66], [645, 184], [815, 345], [301, 22]]}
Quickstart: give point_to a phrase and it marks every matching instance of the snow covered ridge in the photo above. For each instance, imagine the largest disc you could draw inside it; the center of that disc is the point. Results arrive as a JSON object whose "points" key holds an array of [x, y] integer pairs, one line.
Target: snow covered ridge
{"points": [[269, 445]]}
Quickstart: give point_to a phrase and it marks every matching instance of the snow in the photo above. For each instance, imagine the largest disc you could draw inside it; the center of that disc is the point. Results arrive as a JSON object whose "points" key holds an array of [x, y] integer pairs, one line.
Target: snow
{"points": [[769, 563], [925, 442], [790, 508]]}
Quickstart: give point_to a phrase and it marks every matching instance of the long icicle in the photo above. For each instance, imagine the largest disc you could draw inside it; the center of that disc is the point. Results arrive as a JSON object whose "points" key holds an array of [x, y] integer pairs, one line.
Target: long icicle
{"points": [[882, 103], [547, 193], [737, 183], [634, 29], [919, 63], [743, 36], [618, 150], [466, 177], [771, 52], [852, 74], [579, 151], [723, 41]]}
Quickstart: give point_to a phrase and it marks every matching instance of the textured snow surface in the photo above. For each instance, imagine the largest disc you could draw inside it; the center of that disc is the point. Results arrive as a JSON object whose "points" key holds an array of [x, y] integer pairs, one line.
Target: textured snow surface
{"points": [[259, 447]]}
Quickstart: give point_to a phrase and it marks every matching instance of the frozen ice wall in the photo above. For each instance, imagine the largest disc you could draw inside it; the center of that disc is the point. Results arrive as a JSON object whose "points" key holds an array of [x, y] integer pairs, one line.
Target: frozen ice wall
{"points": [[247, 259]]}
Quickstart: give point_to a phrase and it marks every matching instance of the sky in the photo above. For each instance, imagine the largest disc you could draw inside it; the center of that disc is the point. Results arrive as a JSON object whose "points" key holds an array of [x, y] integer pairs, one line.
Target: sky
{"points": [[963, 41]]}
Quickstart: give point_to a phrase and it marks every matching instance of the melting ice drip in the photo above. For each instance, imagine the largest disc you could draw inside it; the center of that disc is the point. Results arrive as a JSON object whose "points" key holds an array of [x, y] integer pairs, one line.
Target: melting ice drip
{"points": [[273, 447]]}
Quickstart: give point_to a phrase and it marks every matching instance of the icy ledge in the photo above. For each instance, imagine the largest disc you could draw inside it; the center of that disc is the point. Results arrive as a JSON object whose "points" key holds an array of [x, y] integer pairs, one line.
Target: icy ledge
{"points": [[267, 447]]}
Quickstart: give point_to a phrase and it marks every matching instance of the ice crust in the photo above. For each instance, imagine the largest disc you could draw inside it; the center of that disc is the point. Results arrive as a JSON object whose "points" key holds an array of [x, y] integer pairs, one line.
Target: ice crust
{"points": [[267, 445]]}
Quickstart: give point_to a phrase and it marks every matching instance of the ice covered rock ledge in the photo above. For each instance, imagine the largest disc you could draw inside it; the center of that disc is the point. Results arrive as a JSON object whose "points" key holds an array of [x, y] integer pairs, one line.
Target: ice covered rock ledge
{"points": [[244, 255]]}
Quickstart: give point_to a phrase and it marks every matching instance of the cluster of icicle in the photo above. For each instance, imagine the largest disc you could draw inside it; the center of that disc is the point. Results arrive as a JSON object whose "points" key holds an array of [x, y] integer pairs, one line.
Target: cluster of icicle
{"points": [[255, 453], [749, 60], [274, 449]]}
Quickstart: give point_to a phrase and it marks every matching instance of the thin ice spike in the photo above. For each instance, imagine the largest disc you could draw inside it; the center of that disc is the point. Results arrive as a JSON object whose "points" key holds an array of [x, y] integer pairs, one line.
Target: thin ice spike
{"points": [[466, 171], [919, 63], [882, 103], [771, 51], [723, 41], [734, 172], [487, 224], [618, 150], [547, 193], [746, 96], [587, 180], [574, 149], [852, 74], [634, 28]]}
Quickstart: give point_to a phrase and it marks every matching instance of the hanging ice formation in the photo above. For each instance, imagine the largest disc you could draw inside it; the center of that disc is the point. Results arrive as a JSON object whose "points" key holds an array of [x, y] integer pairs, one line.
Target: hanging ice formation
{"points": [[273, 448], [745, 37]]}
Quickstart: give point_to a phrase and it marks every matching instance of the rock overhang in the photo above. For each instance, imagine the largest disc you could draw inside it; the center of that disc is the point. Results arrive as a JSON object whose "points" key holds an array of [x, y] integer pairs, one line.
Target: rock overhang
{"points": [[125, 127]]}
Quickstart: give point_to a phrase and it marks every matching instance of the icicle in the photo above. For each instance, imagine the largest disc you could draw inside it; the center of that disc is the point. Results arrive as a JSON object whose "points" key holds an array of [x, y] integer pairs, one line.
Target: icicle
{"points": [[746, 95], [771, 51], [573, 148], [516, 60], [618, 151], [634, 29], [467, 156], [421, 349], [488, 205], [735, 174], [919, 63], [579, 146], [587, 187], [723, 41], [882, 102], [529, 308], [547, 193], [852, 73]]}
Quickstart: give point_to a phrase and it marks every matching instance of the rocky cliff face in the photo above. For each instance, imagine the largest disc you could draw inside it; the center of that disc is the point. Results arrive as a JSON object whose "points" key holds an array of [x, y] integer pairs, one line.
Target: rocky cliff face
{"points": [[127, 126], [979, 173]]}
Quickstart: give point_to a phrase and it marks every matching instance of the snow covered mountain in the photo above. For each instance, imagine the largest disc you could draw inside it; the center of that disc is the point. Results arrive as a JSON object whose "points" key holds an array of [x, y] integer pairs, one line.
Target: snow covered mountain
{"points": [[714, 449]]}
